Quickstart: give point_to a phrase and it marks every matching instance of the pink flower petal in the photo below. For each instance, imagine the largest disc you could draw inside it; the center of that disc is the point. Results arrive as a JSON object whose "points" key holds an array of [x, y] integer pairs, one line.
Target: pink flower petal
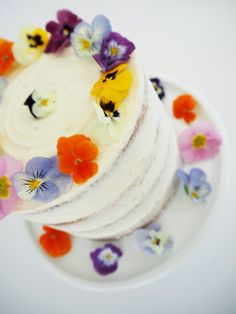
{"points": [[12, 165], [3, 167], [8, 205]]}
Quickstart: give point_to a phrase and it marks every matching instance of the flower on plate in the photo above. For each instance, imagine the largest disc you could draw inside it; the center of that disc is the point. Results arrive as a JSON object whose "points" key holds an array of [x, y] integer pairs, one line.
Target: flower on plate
{"points": [[3, 84], [152, 240], [76, 155], [56, 243], [61, 31], [41, 180], [31, 45], [105, 259], [87, 39], [8, 197], [114, 50], [41, 103], [113, 86], [183, 108], [6, 56], [199, 142], [195, 184], [158, 87]]}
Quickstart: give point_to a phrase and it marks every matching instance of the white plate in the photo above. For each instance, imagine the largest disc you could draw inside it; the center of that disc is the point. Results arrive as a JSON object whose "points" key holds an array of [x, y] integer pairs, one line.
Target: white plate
{"points": [[184, 221]]}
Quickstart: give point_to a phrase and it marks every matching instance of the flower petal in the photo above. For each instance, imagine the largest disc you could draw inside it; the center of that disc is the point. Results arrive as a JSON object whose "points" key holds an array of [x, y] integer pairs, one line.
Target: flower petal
{"points": [[86, 151], [183, 176], [38, 167], [3, 166], [8, 205], [47, 192], [101, 27], [84, 171], [19, 181]]}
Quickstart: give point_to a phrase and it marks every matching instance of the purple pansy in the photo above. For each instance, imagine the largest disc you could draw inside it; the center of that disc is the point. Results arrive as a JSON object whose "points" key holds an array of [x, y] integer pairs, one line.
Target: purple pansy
{"points": [[158, 87], [61, 30], [41, 180], [151, 240], [105, 259], [115, 50], [195, 184]]}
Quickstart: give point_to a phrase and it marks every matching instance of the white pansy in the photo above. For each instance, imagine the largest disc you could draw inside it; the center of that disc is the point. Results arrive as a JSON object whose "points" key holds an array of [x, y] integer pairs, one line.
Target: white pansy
{"points": [[45, 103]]}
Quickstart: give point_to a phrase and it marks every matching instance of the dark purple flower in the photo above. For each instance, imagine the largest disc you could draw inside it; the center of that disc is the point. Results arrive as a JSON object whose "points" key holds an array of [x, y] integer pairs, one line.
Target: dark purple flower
{"points": [[105, 259], [158, 87], [114, 51], [61, 30]]}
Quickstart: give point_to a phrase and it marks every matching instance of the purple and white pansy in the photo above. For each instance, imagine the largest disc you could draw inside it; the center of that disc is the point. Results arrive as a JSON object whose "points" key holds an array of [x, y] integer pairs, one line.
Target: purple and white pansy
{"points": [[105, 259], [115, 50], [61, 31], [152, 240], [195, 184], [87, 39], [41, 180]]}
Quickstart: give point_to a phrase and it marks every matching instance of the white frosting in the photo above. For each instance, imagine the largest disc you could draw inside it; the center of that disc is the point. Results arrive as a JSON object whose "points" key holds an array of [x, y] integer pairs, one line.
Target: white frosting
{"points": [[136, 172]]}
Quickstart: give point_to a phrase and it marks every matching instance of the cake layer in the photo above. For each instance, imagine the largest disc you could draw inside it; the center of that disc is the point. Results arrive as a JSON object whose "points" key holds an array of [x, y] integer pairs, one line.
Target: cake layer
{"points": [[140, 187], [129, 168], [148, 209], [24, 137]]}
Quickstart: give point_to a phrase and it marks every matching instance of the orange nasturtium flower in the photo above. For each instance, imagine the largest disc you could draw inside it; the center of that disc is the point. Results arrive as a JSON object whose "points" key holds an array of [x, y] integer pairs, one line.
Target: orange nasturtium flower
{"points": [[76, 155], [56, 243], [183, 108], [6, 56]]}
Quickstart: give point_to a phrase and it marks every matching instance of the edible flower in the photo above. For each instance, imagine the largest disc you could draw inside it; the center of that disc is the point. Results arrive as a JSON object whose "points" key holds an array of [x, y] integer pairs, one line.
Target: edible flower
{"points": [[6, 56], [113, 86], [8, 197], [41, 103], [31, 45], [152, 240], [156, 83], [41, 180], [61, 31], [114, 50], [105, 259], [199, 142], [56, 243], [195, 184], [3, 84], [76, 155], [183, 108], [87, 39]]}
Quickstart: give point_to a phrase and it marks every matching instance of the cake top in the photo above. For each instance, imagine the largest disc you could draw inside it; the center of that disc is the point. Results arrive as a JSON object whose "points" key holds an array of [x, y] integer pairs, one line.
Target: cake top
{"points": [[71, 95]]}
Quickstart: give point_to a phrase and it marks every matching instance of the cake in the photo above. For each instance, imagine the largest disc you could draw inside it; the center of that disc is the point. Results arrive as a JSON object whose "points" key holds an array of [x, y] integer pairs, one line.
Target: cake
{"points": [[94, 150]]}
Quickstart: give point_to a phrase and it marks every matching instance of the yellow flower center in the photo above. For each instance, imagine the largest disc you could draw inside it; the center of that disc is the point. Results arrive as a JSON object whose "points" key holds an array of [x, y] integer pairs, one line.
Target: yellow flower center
{"points": [[39, 38], [34, 184], [4, 187], [86, 44], [108, 256], [44, 102], [194, 195], [156, 241], [114, 51], [199, 141]]}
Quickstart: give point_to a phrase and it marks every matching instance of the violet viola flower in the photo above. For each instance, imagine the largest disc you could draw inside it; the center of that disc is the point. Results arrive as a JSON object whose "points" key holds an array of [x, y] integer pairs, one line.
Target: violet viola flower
{"points": [[105, 259], [114, 51], [41, 180], [158, 87], [61, 31], [195, 184]]}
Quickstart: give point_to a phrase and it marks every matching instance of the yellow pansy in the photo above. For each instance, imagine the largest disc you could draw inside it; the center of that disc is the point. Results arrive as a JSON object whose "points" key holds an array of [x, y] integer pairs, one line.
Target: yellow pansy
{"points": [[32, 43], [113, 86]]}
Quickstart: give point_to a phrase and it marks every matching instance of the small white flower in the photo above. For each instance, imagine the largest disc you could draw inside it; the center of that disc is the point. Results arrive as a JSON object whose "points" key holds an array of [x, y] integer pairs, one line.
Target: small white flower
{"points": [[45, 103], [114, 50], [156, 242]]}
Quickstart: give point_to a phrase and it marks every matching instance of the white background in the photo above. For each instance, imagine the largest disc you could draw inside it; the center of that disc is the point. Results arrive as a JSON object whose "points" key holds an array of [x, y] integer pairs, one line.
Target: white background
{"points": [[194, 41]]}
